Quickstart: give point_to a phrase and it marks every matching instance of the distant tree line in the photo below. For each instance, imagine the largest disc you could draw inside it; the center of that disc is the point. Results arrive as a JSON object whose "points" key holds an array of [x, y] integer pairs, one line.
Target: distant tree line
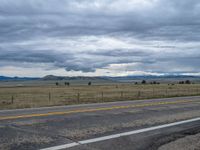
{"points": [[145, 82], [65, 83], [142, 82], [89, 83], [155, 82], [185, 82], [68, 83]]}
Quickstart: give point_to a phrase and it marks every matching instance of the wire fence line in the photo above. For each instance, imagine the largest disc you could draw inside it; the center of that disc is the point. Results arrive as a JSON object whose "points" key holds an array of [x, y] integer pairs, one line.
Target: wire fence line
{"points": [[31, 99]]}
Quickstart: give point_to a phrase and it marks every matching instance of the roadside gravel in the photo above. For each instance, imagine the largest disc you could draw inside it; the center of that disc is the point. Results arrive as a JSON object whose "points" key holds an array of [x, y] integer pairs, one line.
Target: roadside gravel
{"points": [[191, 142]]}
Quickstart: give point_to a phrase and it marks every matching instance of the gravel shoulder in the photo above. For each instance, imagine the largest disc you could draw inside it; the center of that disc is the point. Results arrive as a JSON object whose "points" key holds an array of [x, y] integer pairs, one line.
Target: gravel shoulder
{"points": [[191, 142]]}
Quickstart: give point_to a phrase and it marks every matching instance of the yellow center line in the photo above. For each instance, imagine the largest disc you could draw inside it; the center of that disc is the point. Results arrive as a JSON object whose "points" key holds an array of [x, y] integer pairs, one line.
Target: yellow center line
{"points": [[93, 110]]}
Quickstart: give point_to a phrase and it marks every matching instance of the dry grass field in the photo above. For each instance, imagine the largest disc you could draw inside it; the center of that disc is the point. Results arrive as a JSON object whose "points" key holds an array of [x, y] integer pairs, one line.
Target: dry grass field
{"points": [[38, 96]]}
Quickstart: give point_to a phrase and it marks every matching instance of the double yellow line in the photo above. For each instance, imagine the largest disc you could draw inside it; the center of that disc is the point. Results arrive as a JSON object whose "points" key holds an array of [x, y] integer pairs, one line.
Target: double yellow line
{"points": [[92, 110]]}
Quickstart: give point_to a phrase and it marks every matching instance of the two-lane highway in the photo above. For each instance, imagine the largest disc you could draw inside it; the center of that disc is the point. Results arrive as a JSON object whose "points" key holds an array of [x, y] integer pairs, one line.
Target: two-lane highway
{"points": [[126, 125]]}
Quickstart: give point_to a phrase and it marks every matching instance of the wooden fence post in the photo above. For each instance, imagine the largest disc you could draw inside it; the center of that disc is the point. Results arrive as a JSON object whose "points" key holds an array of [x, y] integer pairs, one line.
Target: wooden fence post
{"points": [[78, 97], [122, 94], [12, 99], [102, 96], [153, 91], [49, 96], [139, 94]]}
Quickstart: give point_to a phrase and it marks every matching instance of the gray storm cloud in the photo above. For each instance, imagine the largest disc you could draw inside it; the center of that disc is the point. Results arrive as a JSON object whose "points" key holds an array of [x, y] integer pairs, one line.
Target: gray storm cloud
{"points": [[159, 36]]}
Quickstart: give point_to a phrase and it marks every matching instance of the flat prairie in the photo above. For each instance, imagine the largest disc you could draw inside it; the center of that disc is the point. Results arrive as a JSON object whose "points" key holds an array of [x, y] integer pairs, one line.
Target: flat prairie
{"points": [[28, 96]]}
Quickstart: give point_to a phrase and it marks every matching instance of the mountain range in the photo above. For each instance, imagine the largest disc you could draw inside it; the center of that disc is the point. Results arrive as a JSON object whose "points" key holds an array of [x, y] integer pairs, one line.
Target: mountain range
{"points": [[106, 78]]}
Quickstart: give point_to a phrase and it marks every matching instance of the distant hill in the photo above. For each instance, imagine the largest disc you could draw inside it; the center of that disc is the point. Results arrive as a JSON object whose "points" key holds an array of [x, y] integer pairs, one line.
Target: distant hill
{"points": [[5, 78], [52, 77], [161, 79]]}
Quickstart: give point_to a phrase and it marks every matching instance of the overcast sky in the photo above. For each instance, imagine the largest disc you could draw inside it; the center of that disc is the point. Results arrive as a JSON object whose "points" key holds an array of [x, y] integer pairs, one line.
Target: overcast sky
{"points": [[99, 37]]}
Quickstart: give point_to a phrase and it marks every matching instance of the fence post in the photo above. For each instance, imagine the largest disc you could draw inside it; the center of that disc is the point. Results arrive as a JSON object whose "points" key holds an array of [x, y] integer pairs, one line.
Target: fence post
{"points": [[78, 97], [122, 94], [102, 96], [12, 99], [153, 91], [49, 96], [139, 94]]}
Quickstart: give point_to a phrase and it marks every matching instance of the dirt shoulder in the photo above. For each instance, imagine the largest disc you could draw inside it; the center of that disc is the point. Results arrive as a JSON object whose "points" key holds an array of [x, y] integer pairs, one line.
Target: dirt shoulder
{"points": [[191, 142]]}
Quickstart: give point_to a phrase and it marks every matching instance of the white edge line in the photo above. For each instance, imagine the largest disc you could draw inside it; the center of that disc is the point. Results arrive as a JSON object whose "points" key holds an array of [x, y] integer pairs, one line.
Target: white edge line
{"points": [[60, 147]]}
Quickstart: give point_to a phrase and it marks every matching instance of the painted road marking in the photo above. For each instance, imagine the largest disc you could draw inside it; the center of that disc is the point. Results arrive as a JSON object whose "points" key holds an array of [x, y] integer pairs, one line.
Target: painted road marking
{"points": [[114, 136], [94, 109]]}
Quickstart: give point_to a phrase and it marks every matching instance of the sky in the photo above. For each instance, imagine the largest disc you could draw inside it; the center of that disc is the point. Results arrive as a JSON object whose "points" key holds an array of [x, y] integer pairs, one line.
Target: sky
{"points": [[99, 37]]}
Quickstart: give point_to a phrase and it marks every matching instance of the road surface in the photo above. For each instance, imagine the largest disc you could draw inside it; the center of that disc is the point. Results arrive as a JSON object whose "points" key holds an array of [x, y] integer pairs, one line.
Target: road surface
{"points": [[126, 125]]}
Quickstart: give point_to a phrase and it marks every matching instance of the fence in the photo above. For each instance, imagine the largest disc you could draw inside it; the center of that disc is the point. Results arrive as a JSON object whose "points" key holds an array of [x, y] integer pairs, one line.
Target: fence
{"points": [[48, 98]]}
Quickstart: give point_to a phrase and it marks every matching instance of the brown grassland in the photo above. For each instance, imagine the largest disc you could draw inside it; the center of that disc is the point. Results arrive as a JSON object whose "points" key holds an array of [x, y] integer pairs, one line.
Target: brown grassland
{"points": [[39, 96]]}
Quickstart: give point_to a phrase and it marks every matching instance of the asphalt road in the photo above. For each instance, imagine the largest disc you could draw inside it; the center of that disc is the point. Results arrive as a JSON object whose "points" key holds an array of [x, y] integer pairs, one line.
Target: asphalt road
{"points": [[125, 125]]}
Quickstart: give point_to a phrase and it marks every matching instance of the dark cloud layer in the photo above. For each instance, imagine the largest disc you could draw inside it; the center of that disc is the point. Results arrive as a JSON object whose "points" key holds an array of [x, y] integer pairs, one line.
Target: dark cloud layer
{"points": [[165, 19], [157, 35]]}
